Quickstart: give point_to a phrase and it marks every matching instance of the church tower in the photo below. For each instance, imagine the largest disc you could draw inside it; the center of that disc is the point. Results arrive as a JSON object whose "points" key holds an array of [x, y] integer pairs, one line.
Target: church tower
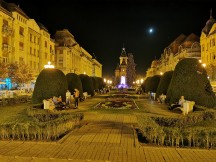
{"points": [[121, 69]]}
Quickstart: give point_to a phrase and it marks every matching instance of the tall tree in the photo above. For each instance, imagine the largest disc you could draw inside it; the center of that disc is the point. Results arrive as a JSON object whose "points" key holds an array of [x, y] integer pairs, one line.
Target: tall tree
{"points": [[4, 70], [131, 70], [20, 73]]}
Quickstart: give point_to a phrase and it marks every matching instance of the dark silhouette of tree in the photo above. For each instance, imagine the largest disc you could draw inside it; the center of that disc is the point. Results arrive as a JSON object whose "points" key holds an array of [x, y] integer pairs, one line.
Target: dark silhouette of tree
{"points": [[131, 70]]}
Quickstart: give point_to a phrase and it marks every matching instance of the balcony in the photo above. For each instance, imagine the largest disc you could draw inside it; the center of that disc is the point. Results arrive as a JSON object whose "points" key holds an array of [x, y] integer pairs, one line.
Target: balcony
{"points": [[7, 30], [6, 48]]}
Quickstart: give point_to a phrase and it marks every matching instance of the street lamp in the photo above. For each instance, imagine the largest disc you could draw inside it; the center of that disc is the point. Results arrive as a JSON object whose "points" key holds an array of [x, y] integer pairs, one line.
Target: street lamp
{"points": [[49, 65]]}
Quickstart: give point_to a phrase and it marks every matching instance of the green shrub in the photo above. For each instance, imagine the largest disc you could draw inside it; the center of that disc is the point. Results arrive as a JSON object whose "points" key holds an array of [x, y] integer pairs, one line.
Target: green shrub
{"points": [[143, 85], [49, 83], [94, 82], [152, 83], [164, 83], [190, 80], [87, 84], [74, 81], [44, 126]]}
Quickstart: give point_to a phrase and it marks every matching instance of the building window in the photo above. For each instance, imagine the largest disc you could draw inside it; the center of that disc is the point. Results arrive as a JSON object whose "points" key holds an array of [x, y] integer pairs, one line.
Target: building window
{"points": [[34, 52], [5, 59], [30, 37], [5, 40], [21, 31], [46, 44], [213, 42], [45, 55], [60, 59], [60, 51], [5, 22], [21, 46], [60, 65], [30, 50]]}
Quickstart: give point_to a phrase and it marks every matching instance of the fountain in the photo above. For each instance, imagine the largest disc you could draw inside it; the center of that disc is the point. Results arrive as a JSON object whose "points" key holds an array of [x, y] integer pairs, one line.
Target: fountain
{"points": [[123, 83]]}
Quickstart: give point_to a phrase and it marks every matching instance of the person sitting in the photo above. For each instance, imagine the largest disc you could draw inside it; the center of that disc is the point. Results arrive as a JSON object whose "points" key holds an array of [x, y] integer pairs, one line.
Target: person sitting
{"points": [[58, 102], [179, 104], [162, 98]]}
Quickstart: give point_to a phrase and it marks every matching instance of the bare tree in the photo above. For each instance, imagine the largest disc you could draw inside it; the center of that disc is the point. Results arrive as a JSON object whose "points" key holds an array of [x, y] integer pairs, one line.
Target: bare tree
{"points": [[20, 73]]}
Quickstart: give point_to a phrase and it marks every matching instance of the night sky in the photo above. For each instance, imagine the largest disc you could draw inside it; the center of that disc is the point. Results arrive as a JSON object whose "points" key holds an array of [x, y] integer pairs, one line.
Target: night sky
{"points": [[103, 26]]}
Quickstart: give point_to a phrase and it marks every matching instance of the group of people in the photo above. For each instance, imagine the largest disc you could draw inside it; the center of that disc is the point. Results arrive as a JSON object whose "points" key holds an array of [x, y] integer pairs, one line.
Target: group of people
{"points": [[162, 97], [57, 103], [75, 96]]}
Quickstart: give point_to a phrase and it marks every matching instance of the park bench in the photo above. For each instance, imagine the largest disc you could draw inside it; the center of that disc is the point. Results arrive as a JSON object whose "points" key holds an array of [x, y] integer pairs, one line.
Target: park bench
{"points": [[187, 107]]}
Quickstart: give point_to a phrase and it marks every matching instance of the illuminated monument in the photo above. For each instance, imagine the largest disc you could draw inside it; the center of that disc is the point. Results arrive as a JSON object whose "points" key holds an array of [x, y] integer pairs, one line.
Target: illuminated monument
{"points": [[120, 72]]}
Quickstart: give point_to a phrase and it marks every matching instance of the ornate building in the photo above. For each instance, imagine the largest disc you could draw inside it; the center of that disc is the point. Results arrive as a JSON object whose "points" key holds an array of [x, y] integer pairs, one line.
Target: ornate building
{"points": [[208, 46], [182, 47], [72, 58], [120, 71], [23, 40]]}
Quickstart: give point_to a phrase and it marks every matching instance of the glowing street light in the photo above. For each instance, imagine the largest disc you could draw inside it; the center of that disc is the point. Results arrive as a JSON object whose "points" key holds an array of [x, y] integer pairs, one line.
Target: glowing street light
{"points": [[84, 72], [105, 80], [204, 65], [49, 65], [161, 73]]}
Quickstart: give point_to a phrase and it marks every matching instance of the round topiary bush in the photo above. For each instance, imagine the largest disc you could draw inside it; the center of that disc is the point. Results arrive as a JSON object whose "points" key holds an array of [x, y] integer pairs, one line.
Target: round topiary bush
{"points": [[87, 84], [143, 85], [74, 81], [190, 80], [49, 83], [152, 83], [94, 82], [164, 83]]}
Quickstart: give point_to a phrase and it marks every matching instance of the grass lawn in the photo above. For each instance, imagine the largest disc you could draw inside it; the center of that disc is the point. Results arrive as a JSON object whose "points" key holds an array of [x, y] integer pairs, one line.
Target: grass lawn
{"points": [[14, 113]]}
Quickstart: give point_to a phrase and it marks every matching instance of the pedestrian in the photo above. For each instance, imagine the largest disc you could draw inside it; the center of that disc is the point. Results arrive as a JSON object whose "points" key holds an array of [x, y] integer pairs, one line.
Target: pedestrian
{"points": [[76, 97], [68, 97]]}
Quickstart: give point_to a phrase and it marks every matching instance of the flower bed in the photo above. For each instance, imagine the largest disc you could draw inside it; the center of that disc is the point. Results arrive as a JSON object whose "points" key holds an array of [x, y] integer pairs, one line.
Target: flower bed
{"points": [[117, 103]]}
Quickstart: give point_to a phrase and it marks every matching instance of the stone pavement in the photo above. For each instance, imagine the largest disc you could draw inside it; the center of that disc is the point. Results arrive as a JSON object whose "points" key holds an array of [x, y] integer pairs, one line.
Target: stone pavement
{"points": [[102, 138]]}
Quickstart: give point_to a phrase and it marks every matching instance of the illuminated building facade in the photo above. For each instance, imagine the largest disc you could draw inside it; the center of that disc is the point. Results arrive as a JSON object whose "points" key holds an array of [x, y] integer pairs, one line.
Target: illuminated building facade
{"points": [[182, 47], [23, 40], [72, 58]]}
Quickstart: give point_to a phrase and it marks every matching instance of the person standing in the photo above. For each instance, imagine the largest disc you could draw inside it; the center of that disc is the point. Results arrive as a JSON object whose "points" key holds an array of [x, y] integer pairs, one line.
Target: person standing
{"points": [[76, 97], [68, 97]]}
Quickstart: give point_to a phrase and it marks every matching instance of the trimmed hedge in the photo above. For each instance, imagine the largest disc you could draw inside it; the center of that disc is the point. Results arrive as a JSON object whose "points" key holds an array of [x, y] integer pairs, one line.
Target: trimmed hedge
{"points": [[87, 84], [190, 80], [74, 81], [49, 83], [151, 84], [164, 83]]}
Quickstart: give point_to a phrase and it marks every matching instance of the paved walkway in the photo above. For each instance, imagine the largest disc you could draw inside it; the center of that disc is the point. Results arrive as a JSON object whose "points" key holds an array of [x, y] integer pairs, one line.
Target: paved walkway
{"points": [[102, 138]]}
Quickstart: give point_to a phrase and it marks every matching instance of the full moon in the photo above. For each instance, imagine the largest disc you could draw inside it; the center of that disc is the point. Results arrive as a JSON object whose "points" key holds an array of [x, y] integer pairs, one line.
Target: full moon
{"points": [[151, 30]]}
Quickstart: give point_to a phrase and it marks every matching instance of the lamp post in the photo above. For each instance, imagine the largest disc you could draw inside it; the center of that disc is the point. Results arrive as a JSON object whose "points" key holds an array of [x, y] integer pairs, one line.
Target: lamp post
{"points": [[49, 66]]}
